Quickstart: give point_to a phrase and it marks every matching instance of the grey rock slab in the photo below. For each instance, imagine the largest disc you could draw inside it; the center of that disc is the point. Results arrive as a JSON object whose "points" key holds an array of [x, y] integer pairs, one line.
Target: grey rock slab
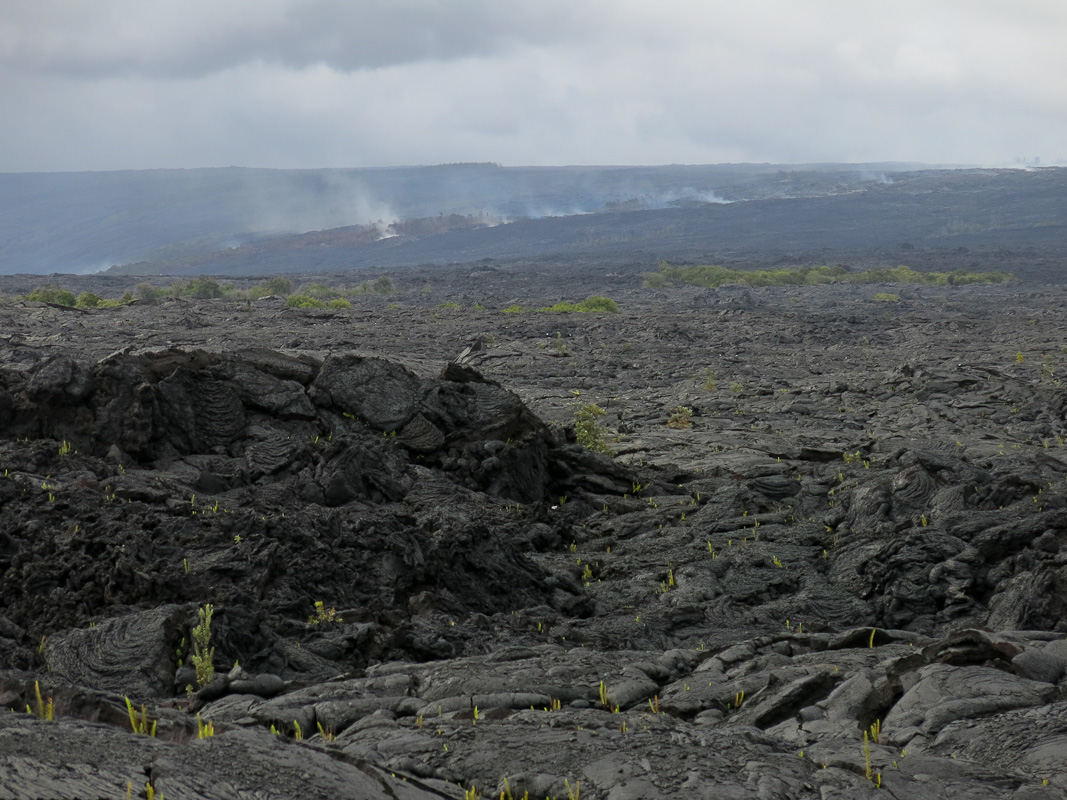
{"points": [[132, 655], [66, 758], [380, 392], [942, 694]]}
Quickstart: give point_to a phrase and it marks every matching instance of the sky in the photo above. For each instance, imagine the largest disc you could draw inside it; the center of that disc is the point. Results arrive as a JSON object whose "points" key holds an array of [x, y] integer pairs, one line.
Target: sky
{"points": [[147, 84]]}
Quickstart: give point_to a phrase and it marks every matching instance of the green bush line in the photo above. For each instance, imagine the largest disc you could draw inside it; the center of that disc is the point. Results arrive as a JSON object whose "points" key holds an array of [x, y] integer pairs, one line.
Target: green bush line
{"points": [[315, 295], [712, 277], [593, 303]]}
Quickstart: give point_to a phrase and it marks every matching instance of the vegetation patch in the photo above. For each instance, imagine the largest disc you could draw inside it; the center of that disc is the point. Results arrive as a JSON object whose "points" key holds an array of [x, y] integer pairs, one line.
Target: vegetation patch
{"points": [[51, 294], [588, 430], [590, 304], [304, 301], [712, 277]]}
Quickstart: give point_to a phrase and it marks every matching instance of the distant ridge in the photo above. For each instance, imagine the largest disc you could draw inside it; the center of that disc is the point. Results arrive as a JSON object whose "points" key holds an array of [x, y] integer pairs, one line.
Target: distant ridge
{"points": [[86, 221]]}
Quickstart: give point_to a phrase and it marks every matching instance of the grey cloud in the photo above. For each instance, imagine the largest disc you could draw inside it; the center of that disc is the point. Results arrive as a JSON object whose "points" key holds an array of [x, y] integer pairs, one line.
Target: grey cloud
{"points": [[114, 84], [197, 38]]}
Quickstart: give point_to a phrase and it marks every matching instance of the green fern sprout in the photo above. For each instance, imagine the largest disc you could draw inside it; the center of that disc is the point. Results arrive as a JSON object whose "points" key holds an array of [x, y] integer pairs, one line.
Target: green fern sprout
{"points": [[139, 722], [204, 729], [43, 710], [323, 614], [203, 657]]}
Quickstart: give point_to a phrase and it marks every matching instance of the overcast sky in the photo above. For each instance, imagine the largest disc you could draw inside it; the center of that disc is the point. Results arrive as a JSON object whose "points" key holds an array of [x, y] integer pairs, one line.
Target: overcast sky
{"points": [[135, 84]]}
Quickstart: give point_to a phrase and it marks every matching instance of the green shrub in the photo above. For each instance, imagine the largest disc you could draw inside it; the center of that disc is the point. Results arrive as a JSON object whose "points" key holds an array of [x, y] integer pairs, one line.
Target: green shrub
{"points": [[303, 301], [339, 302], [380, 286], [88, 300], [514, 309], [588, 431], [591, 303], [319, 290], [51, 294], [115, 302], [681, 418], [597, 303], [283, 287], [885, 297], [204, 288], [147, 291]]}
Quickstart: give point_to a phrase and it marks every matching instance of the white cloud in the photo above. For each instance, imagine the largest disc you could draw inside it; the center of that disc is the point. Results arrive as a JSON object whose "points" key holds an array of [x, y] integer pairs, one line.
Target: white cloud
{"points": [[125, 83]]}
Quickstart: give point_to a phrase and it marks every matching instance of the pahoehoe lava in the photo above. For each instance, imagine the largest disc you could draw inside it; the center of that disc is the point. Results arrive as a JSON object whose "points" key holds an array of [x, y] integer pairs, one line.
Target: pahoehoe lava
{"points": [[841, 572]]}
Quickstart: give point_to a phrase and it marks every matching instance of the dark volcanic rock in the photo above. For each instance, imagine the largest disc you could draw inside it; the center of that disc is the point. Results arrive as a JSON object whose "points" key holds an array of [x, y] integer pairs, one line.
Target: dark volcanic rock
{"points": [[423, 572]]}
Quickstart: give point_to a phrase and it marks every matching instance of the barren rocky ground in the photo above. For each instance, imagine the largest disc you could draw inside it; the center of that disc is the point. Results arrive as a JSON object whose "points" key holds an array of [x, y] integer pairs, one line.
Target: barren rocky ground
{"points": [[828, 557]]}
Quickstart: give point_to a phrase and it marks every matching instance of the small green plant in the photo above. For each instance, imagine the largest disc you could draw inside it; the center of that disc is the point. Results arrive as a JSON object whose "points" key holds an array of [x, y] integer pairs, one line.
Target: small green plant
{"points": [[875, 778], [1048, 372], [44, 709], [513, 309], [885, 297], [203, 654], [139, 722], [737, 387], [709, 381], [604, 699], [588, 430], [323, 614], [681, 417], [204, 729], [876, 731], [1019, 357]]}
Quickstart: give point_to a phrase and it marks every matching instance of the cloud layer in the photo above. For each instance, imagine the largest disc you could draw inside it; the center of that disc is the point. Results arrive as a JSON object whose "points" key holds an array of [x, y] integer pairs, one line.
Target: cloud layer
{"points": [[116, 84]]}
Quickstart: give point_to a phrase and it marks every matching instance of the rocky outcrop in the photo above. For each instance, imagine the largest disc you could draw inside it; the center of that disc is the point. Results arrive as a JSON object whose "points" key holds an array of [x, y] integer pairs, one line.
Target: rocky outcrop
{"points": [[420, 579]]}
